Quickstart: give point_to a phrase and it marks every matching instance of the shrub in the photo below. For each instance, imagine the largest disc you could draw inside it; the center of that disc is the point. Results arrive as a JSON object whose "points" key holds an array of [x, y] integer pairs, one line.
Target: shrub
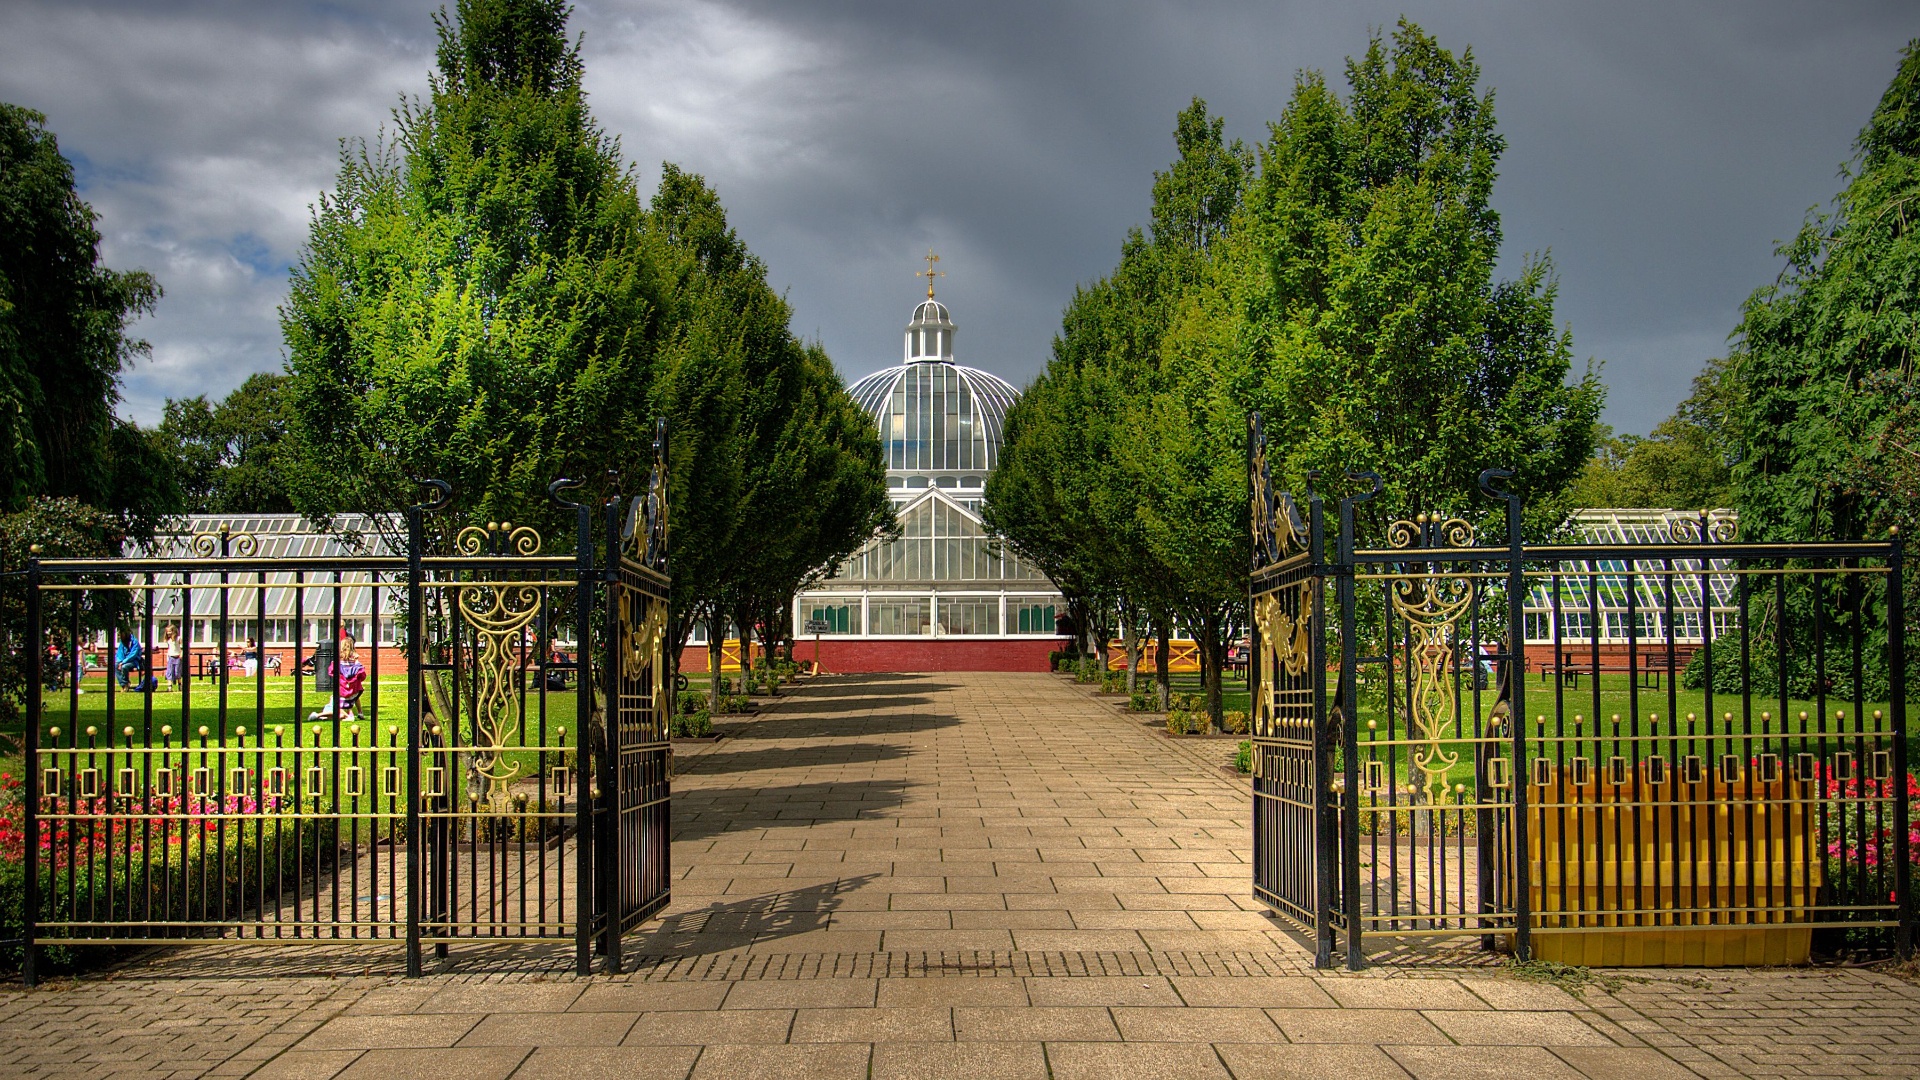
{"points": [[1142, 701], [1236, 722], [1182, 722], [1086, 671], [1243, 756], [694, 725], [691, 701], [1113, 682]]}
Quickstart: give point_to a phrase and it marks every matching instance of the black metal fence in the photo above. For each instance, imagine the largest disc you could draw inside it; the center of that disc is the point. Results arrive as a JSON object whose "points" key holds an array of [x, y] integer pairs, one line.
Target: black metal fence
{"points": [[516, 790], [1690, 788]]}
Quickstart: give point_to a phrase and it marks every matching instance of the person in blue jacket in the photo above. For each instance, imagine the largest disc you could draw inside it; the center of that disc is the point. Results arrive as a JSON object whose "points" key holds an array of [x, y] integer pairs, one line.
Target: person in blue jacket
{"points": [[126, 661]]}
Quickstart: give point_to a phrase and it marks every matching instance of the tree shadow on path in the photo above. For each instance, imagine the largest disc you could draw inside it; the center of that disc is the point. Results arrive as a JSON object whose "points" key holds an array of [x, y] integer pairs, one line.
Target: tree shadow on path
{"points": [[703, 813]]}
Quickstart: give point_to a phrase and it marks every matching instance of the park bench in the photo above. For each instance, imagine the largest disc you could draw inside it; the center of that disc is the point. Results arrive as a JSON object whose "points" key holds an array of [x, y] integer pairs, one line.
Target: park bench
{"points": [[1647, 665]]}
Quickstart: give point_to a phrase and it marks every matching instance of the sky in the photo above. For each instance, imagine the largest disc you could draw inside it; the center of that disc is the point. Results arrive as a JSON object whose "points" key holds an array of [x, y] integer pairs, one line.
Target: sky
{"points": [[1657, 150]]}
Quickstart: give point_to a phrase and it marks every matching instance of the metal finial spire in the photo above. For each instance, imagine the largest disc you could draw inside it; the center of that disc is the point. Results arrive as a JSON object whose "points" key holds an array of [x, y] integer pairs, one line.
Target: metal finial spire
{"points": [[930, 273]]}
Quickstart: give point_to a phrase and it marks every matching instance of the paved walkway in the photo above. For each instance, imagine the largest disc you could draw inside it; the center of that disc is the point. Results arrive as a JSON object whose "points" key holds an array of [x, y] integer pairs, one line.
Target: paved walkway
{"points": [[949, 875]]}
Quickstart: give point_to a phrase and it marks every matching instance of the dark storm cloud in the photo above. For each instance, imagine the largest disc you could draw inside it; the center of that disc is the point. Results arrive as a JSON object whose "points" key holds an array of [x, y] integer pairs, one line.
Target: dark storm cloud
{"points": [[1657, 150]]}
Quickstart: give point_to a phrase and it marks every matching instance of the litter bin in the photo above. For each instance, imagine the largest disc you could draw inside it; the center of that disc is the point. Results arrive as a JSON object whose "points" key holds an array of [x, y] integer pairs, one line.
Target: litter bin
{"points": [[323, 656]]}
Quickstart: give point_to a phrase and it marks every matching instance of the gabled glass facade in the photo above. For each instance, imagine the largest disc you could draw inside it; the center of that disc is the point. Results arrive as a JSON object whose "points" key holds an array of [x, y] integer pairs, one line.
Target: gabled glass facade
{"points": [[1594, 596], [945, 576], [941, 540]]}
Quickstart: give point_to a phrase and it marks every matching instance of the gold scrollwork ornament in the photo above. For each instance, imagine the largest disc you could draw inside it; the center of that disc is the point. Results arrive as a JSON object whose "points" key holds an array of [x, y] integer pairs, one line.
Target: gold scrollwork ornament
{"points": [[207, 545], [643, 627], [1430, 530], [500, 614], [518, 540], [1432, 607], [1286, 643]]}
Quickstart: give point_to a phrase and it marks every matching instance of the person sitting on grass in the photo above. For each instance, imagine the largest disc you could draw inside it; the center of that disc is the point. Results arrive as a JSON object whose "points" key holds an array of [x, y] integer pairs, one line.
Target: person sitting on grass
{"points": [[126, 661], [349, 680]]}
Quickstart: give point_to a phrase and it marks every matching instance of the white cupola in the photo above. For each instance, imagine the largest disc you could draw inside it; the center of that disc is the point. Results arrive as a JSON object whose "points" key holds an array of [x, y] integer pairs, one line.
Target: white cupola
{"points": [[929, 334]]}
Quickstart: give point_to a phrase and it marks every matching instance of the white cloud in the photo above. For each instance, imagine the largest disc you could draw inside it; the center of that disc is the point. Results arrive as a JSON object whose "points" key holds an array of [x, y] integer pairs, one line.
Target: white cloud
{"points": [[201, 139]]}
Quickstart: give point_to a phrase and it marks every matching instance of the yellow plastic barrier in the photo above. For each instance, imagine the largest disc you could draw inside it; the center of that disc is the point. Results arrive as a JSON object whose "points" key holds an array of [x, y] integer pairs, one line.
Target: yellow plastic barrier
{"points": [[1710, 874]]}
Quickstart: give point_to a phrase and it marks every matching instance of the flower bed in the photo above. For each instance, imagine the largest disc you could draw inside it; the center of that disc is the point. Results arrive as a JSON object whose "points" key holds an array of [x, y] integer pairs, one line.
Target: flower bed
{"points": [[180, 859]]}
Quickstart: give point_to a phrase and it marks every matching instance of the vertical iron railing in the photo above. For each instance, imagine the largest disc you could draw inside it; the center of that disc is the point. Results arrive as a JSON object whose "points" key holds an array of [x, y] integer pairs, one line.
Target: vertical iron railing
{"points": [[1731, 790], [245, 818]]}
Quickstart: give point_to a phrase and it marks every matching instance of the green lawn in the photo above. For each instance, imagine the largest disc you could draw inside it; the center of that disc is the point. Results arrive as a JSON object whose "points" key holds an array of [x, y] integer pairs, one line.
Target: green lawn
{"points": [[1583, 720], [260, 707], [263, 707]]}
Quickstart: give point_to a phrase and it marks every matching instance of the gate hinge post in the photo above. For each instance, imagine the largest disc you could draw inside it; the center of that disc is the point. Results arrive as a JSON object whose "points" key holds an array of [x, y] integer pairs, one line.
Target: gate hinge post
{"points": [[416, 701], [1897, 704], [1349, 723], [31, 745], [1492, 483]]}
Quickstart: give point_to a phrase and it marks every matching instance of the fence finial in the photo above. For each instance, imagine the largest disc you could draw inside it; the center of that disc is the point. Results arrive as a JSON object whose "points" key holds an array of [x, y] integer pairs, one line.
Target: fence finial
{"points": [[1493, 483], [564, 484], [442, 495]]}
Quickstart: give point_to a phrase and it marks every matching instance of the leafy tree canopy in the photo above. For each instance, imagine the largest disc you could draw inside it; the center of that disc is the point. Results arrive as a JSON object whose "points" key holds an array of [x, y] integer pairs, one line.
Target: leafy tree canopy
{"points": [[1347, 291], [64, 343], [486, 300], [1824, 356], [1686, 464], [1364, 309], [60, 528], [226, 453]]}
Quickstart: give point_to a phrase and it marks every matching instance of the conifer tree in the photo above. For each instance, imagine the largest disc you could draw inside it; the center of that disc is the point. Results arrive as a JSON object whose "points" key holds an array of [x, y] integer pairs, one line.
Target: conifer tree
{"points": [[475, 302]]}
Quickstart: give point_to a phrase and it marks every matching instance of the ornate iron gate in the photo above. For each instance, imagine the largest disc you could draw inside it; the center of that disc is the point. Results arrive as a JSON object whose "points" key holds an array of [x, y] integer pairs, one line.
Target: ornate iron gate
{"points": [[1686, 750], [516, 791], [1293, 833], [637, 768]]}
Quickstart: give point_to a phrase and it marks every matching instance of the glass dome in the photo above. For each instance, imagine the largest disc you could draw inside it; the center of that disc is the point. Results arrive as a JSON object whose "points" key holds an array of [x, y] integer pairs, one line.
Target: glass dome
{"points": [[941, 421]]}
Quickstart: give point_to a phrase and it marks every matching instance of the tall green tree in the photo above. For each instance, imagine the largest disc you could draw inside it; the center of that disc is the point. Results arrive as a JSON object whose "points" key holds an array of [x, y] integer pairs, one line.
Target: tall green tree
{"points": [[1102, 482], [1364, 318], [713, 287], [1824, 356], [814, 490], [1348, 293], [226, 454], [778, 475], [475, 302], [64, 343]]}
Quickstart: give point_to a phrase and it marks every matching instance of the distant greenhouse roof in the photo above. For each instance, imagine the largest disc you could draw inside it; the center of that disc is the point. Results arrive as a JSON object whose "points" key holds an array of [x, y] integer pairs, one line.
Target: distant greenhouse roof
{"points": [[272, 536], [1632, 606], [277, 536]]}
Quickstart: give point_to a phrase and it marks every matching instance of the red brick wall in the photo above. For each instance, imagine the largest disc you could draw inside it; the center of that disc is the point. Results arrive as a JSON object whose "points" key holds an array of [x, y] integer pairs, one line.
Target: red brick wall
{"points": [[850, 655], [1612, 655]]}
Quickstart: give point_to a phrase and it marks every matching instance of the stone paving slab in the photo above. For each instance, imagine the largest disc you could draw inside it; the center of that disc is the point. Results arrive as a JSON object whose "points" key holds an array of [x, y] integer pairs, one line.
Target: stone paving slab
{"points": [[976, 876]]}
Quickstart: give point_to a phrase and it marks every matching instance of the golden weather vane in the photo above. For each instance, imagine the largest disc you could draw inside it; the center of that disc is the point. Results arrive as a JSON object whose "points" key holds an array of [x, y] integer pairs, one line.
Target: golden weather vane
{"points": [[930, 273]]}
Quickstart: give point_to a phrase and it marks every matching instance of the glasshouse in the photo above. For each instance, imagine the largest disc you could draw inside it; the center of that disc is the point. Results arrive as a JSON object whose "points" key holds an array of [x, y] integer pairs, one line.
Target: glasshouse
{"points": [[943, 596], [1610, 621]]}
